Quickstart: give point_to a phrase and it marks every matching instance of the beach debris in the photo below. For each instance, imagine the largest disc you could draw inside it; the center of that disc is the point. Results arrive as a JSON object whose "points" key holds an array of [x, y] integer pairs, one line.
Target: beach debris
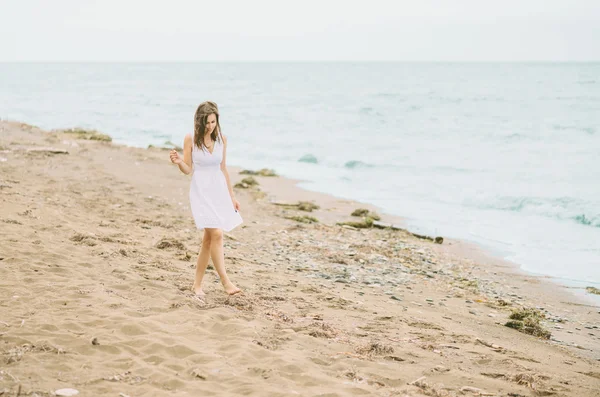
{"points": [[47, 150], [475, 390], [168, 145], [527, 320], [307, 206], [493, 346], [593, 290], [437, 240], [168, 243], [419, 382], [88, 240], [11, 221], [365, 224], [366, 213], [66, 392], [246, 183], [322, 330], [118, 377], [447, 346], [375, 348], [301, 205], [261, 172], [284, 204], [385, 225], [95, 342], [394, 358], [90, 135], [436, 390], [303, 219]]}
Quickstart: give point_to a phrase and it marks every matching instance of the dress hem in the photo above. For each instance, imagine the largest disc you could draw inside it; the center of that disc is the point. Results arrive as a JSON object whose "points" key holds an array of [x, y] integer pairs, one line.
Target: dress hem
{"points": [[227, 229]]}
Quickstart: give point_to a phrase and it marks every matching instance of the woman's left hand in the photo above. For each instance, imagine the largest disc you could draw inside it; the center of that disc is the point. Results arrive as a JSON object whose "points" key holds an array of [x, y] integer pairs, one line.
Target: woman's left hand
{"points": [[236, 204]]}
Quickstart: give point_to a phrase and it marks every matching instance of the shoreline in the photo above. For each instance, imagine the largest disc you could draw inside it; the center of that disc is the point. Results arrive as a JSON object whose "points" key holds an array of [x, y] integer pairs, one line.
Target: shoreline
{"points": [[97, 260], [470, 249]]}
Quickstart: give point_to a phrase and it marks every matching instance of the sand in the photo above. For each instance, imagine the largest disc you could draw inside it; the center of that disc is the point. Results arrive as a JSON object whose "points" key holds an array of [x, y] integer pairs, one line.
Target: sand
{"points": [[97, 256]]}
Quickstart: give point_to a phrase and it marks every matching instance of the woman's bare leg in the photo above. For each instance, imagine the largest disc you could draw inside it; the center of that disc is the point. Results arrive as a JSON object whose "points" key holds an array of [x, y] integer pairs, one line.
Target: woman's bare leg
{"points": [[218, 257], [202, 263]]}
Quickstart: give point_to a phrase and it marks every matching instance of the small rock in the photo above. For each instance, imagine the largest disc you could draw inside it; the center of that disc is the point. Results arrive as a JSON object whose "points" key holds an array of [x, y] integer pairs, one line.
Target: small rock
{"points": [[66, 392], [471, 389], [196, 373], [95, 342], [473, 312], [396, 298], [469, 301], [429, 300]]}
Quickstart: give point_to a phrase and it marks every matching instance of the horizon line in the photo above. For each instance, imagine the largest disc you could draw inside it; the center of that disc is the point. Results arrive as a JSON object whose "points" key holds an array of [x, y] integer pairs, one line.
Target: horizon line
{"points": [[300, 61]]}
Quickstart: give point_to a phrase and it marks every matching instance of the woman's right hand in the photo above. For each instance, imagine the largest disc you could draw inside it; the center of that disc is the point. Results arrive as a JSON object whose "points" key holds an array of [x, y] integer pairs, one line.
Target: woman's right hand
{"points": [[175, 159]]}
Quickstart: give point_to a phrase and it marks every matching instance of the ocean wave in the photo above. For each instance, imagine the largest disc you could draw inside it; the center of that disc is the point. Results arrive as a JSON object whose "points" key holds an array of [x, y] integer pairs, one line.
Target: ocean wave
{"points": [[352, 164], [571, 209], [584, 220], [308, 158], [589, 130]]}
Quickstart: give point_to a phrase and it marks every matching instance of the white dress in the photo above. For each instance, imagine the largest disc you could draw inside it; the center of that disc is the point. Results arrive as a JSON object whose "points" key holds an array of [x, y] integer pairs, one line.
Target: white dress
{"points": [[209, 195]]}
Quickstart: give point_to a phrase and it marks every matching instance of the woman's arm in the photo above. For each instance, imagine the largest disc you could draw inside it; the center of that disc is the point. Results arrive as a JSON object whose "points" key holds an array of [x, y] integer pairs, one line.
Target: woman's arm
{"points": [[185, 164], [236, 204]]}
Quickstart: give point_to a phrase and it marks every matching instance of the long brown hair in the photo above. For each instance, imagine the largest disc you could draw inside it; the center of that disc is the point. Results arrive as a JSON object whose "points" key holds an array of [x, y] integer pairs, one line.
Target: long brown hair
{"points": [[204, 110]]}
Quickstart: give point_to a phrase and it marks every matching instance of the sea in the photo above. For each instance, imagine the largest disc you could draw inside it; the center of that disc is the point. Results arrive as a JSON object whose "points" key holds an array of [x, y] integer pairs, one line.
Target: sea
{"points": [[503, 155]]}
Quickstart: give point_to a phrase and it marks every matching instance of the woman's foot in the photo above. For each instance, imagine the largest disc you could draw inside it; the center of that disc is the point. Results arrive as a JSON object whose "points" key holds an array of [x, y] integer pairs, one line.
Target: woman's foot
{"points": [[198, 291], [231, 289]]}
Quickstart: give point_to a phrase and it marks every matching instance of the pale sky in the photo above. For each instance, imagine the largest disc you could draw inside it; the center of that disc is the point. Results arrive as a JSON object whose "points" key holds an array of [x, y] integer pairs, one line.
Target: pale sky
{"points": [[307, 30]]}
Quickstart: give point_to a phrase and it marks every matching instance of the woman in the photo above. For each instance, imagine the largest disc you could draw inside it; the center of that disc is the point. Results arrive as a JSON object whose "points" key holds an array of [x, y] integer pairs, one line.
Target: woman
{"points": [[214, 206]]}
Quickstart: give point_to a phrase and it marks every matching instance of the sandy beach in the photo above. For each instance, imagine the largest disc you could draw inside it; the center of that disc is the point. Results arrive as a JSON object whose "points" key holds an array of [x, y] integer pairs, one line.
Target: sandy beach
{"points": [[97, 256]]}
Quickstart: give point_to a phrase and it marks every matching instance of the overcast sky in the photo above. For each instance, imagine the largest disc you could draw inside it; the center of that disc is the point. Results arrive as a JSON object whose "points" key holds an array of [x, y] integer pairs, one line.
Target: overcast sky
{"points": [[307, 30]]}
